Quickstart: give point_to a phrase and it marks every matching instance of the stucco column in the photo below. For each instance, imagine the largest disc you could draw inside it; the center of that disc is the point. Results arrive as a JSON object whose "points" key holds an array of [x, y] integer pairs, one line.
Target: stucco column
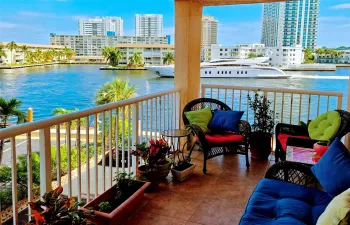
{"points": [[188, 23]]}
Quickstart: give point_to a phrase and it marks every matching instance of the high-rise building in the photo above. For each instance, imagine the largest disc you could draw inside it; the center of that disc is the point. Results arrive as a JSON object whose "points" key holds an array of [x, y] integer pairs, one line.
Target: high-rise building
{"points": [[290, 23], [101, 26], [209, 31], [149, 25]]}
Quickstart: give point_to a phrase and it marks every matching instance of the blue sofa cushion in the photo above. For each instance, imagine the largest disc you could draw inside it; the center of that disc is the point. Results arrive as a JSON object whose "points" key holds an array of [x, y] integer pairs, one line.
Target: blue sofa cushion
{"points": [[226, 120], [276, 202], [333, 169]]}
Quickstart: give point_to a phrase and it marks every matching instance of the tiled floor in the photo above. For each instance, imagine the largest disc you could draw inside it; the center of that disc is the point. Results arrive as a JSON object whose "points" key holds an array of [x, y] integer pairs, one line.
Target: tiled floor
{"points": [[217, 198]]}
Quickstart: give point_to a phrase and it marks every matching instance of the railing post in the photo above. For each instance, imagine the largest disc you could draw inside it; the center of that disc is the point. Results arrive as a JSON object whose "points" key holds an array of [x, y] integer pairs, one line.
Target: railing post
{"points": [[135, 136], [347, 137], [45, 160], [178, 110], [203, 91]]}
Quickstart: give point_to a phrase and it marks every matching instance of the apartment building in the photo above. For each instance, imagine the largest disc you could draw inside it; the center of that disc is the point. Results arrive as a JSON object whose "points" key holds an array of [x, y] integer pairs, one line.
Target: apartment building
{"points": [[290, 23], [87, 45], [342, 59], [149, 25], [111, 26], [209, 31], [242, 51], [285, 56]]}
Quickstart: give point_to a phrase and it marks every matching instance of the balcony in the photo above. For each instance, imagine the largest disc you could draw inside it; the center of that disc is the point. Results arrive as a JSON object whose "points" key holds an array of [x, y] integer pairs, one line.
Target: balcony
{"points": [[194, 201]]}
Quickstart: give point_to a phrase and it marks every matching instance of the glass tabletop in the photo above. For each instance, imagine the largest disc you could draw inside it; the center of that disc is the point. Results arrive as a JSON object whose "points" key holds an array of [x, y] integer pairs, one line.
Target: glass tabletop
{"points": [[175, 133]]}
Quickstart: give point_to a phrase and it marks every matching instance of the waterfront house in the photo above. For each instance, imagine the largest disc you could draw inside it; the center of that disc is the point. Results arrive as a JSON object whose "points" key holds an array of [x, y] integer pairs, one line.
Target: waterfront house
{"points": [[218, 197]]}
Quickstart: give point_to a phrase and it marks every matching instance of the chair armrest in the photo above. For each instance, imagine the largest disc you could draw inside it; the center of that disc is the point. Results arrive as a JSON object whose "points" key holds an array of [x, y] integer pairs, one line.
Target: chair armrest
{"points": [[293, 172], [300, 142], [291, 129], [244, 128], [197, 131]]}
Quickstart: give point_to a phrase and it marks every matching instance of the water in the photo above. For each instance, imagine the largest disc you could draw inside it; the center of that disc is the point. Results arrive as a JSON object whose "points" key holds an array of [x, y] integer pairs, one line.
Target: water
{"points": [[61, 86]]}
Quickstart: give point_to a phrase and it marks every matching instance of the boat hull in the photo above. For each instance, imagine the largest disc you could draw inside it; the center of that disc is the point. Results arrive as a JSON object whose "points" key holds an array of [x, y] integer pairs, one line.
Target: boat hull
{"points": [[225, 72]]}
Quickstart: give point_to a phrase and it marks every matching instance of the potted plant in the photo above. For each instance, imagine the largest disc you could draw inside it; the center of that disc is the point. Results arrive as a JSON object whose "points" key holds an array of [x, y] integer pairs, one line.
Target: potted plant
{"points": [[182, 170], [119, 202], [56, 209], [156, 165], [321, 147], [262, 128]]}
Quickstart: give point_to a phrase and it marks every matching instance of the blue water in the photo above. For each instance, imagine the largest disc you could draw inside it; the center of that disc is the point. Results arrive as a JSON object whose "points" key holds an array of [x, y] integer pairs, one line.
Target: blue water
{"points": [[61, 86]]}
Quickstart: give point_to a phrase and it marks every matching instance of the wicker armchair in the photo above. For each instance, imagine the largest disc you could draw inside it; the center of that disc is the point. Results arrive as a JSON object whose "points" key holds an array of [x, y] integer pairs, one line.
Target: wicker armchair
{"points": [[211, 150], [296, 131], [293, 172]]}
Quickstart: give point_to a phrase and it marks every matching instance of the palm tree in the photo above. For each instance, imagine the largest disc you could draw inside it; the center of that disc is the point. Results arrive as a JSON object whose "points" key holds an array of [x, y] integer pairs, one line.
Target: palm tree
{"points": [[60, 54], [30, 57], [115, 90], [69, 53], [168, 58], [9, 108], [25, 50], [47, 56], [135, 59], [53, 54], [119, 55], [2, 52], [106, 50], [38, 55], [12, 46]]}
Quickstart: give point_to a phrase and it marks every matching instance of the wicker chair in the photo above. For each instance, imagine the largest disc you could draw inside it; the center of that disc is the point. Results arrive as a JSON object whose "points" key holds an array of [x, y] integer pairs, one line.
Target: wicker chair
{"points": [[211, 150], [295, 131]]}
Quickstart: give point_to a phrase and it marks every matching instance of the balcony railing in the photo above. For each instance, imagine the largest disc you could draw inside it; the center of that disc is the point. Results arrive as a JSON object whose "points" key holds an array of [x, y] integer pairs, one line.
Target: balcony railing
{"points": [[116, 127], [112, 130]]}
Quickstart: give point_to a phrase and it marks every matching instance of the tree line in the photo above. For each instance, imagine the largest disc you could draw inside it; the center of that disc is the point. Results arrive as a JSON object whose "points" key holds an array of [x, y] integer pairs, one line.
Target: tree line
{"points": [[36, 56]]}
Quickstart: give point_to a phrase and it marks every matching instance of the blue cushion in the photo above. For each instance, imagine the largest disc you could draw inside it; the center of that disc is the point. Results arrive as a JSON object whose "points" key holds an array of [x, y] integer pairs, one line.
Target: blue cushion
{"points": [[225, 120], [277, 202], [333, 169]]}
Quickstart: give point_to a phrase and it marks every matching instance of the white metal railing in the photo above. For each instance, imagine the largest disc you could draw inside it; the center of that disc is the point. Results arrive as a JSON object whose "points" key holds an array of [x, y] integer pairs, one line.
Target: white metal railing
{"points": [[117, 127], [289, 105]]}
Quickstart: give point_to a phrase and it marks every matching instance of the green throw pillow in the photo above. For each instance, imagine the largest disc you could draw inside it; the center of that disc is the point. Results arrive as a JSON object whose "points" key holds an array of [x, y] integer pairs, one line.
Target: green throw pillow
{"points": [[325, 126], [200, 117]]}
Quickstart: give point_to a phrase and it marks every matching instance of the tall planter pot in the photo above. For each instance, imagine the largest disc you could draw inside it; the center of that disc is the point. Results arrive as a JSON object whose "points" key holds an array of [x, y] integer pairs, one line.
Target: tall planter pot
{"points": [[260, 145], [164, 169], [122, 212], [151, 176]]}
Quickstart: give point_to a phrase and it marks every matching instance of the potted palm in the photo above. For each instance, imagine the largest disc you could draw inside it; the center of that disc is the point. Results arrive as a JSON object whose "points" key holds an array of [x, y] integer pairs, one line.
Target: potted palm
{"points": [[156, 165], [118, 203], [262, 128]]}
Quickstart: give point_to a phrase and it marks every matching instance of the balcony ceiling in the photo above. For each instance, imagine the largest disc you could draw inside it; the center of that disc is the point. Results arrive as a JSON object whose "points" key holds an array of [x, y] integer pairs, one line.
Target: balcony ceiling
{"points": [[230, 2]]}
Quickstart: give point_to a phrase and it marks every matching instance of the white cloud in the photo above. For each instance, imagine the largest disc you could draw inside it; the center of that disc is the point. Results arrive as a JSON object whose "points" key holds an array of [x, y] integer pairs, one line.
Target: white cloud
{"points": [[341, 6], [239, 32], [50, 15], [7, 25], [78, 17]]}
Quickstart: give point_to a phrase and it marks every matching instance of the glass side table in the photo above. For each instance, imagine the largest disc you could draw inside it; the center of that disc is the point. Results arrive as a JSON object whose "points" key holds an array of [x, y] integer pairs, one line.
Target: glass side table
{"points": [[175, 136]]}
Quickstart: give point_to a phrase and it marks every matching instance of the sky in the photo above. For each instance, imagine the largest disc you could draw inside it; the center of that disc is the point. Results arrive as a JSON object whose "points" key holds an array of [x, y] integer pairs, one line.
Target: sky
{"points": [[31, 21]]}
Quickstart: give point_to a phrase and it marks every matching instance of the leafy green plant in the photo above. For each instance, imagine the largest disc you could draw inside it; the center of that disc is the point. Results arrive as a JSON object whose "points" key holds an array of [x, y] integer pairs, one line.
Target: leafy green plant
{"points": [[56, 209], [263, 115], [104, 207]]}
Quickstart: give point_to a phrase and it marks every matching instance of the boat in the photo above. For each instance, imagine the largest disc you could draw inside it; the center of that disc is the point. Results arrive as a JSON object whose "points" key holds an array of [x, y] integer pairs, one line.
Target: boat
{"points": [[228, 68]]}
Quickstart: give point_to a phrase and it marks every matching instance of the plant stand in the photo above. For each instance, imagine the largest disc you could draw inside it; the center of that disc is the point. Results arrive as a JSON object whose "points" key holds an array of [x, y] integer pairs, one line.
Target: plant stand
{"points": [[183, 168]]}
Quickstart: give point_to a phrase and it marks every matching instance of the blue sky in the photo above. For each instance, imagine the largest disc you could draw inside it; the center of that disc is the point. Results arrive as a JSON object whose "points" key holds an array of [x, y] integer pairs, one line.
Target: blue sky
{"points": [[31, 21]]}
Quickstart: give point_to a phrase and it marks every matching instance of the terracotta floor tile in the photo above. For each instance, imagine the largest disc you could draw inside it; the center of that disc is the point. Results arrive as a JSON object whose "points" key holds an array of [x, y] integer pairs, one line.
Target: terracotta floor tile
{"points": [[190, 223], [194, 185], [239, 190], [175, 205], [218, 212], [143, 218]]}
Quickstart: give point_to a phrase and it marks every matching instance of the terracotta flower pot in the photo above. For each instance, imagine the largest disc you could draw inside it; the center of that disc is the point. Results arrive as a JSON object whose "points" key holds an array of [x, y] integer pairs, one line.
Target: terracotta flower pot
{"points": [[260, 145], [150, 176], [320, 149], [164, 169], [122, 212]]}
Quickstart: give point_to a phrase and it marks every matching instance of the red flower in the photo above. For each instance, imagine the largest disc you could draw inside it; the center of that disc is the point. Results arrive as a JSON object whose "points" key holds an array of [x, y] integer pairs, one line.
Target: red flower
{"points": [[152, 142]]}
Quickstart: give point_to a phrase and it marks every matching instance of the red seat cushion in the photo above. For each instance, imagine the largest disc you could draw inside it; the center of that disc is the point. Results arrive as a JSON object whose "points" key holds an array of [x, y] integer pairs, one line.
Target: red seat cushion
{"points": [[284, 137], [224, 138]]}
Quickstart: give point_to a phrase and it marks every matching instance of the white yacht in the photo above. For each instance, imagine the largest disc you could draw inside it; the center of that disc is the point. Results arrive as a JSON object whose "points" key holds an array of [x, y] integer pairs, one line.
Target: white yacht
{"points": [[228, 68]]}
